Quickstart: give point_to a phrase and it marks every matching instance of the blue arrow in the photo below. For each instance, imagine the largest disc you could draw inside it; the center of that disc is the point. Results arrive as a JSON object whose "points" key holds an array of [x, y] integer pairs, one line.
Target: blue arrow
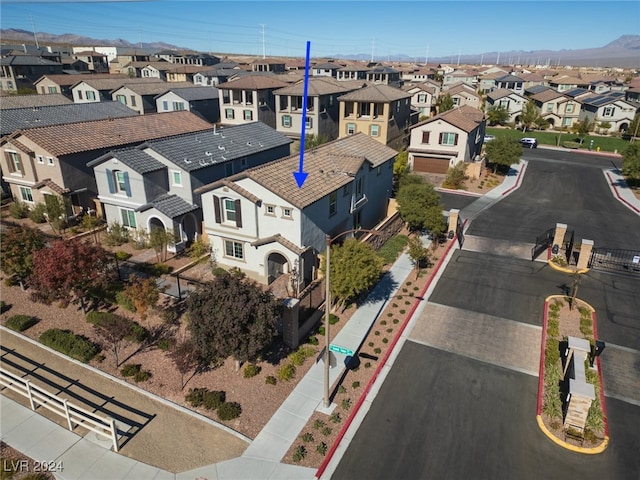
{"points": [[301, 175]]}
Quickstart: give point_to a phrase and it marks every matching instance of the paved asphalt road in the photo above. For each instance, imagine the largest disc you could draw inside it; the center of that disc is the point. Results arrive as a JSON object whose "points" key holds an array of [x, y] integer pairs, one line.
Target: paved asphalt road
{"points": [[561, 187], [457, 420], [445, 415]]}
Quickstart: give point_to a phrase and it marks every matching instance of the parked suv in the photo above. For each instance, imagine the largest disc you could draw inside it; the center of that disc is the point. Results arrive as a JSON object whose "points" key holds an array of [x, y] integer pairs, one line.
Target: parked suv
{"points": [[528, 142]]}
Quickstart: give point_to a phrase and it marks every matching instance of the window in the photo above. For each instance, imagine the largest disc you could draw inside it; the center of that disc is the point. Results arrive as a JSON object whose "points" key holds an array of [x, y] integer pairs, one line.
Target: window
{"points": [[549, 107], [26, 194], [364, 109], [308, 123], [50, 161], [286, 212], [569, 107], [229, 210], [122, 99], [14, 161], [346, 190], [284, 102], [270, 210], [456, 101], [121, 181], [425, 137], [248, 114], [422, 98], [448, 138], [128, 217], [52, 90], [351, 128], [228, 169], [397, 106], [228, 113], [165, 105], [80, 94], [375, 130], [90, 95], [40, 159], [608, 111], [234, 249], [333, 203], [176, 177], [249, 98], [226, 97], [296, 103], [286, 121], [566, 122], [178, 106]]}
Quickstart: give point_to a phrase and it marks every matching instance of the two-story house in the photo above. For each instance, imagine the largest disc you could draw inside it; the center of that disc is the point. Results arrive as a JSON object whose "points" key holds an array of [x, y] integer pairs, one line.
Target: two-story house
{"points": [[261, 222], [352, 72], [22, 71], [510, 82], [509, 100], [48, 84], [95, 61], [53, 160], [609, 108], [443, 141], [380, 112], [140, 97], [459, 76], [125, 56], [423, 98], [273, 65], [325, 69], [212, 77], [33, 101], [249, 98], [182, 73], [323, 107], [463, 94], [383, 75], [152, 185], [87, 89], [203, 101], [562, 83], [557, 109]]}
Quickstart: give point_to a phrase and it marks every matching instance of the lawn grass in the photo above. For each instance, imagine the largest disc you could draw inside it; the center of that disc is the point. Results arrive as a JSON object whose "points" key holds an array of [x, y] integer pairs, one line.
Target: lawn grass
{"points": [[391, 249], [606, 144]]}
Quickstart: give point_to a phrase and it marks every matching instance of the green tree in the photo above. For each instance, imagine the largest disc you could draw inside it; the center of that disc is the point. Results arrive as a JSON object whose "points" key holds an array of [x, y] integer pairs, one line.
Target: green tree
{"points": [[634, 127], [159, 240], [231, 317], [582, 128], [456, 176], [418, 253], [530, 114], [144, 294], [604, 126], [497, 115], [444, 103], [57, 207], [503, 151], [355, 268], [414, 199], [631, 162], [435, 223], [400, 167], [312, 141], [90, 223], [17, 246]]}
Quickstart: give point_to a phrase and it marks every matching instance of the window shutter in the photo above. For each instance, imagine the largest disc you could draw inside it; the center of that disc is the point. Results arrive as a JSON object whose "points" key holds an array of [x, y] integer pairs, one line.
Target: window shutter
{"points": [[455, 139], [238, 214], [127, 185], [440, 138], [425, 137], [112, 187], [216, 209]]}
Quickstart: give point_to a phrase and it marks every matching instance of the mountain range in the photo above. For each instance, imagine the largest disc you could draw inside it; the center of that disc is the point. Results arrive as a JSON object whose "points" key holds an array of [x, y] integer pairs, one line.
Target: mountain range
{"points": [[623, 52]]}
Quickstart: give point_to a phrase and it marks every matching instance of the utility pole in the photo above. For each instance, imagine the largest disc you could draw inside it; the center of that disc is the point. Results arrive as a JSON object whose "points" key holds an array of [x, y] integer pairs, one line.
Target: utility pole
{"points": [[498, 59], [264, 54], [426, 57], [35, 36], [482, 59], [459, 51], [373, 44]]}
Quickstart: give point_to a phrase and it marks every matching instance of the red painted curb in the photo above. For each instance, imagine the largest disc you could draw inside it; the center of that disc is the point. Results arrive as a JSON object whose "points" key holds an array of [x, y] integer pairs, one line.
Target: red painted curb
{"points": [[604, 406], [381, 365], [542, 355], [517, 180], [615, 189]]}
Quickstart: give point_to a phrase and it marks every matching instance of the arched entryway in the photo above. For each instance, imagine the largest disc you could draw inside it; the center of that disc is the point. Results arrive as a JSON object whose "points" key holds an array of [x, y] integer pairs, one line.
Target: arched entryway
{"points": [[189, 228], [277, 265], [155, 223]]}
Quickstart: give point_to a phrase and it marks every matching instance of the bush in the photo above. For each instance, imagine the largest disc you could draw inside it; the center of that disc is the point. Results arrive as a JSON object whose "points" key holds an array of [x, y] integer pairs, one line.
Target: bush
{"points": [[229, 411], [392, 248], [299, 453], [322, 448], [199, 248], [326, 430], [318, 424], [313, 340], [367, 365], [37, 213], [142, 376], [395, 321], [116, 235], [286, 372], [65, 341], [124, 301], [341, 389], [333, 319], [19, 210], [377, 350], [203, 397], [96, 317], [298, 357], [138, 333], [217, 271], [154, 269], [130, 369], [20, 323], [165, 344], [385, 340], [270, 380], [346, 403], [335, 418], [121, 255], [307, 437], [251, 370]]}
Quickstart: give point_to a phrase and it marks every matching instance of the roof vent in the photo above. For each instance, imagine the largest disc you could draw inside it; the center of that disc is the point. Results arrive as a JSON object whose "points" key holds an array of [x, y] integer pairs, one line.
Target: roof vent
{"points": [[186, 160], [221, 147], [208, 153]]}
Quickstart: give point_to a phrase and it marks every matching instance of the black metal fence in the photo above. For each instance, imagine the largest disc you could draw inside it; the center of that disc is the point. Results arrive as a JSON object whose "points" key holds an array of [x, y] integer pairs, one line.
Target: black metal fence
{"points": [[543, 242], [615, 260]]}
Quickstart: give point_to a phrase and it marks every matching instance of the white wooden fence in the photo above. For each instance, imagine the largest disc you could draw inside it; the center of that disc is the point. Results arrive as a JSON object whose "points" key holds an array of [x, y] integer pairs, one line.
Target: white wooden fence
{"points": [[104, 426]]}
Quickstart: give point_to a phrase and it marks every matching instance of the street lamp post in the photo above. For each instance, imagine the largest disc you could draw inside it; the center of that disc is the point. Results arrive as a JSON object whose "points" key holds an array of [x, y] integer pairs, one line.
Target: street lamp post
{"points": [[327, 308]]}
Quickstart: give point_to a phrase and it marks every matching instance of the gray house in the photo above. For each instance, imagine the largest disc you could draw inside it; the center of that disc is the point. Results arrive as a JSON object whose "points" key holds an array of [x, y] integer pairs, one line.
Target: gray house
{"points": [[152, 185], [203, 101]]}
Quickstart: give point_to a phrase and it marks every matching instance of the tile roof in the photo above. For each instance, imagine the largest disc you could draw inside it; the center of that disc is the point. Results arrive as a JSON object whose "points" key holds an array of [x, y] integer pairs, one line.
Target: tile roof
{"points": [[537, 89], [376, 93], [279, 239], [134, 158], [47, 182], [254, 82], [102, 134], [547, 95], [170, 205], [152, 88], [113, 83], [501, 93], [509, 78], [28, 60], [66, 80], [466, 118], [461, 88], [330, 166], [21, 118], [193, 151], [326, 66], [193, 93], [317, 86], [25, 101]]}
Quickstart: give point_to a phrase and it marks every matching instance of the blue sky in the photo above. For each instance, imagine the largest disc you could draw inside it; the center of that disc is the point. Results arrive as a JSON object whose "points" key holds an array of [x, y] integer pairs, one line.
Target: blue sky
{"points": [[419, 29]]}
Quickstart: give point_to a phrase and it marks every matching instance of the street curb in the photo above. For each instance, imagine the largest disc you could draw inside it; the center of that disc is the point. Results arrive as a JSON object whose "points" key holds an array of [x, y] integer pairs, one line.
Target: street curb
{"points": [[618, 196], [564, 269], [382, 364], [517, 184], [588, 451]]}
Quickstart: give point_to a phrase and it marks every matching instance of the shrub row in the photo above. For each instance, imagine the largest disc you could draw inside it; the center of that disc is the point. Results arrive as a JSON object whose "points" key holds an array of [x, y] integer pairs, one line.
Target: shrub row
{"points": [[65, 341], [20, 323], [214, 400], [135, 370]]}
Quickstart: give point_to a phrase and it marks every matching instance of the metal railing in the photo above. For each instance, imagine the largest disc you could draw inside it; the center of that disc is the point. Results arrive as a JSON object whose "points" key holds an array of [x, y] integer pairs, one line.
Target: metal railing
{"points": [[39, 397]]}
